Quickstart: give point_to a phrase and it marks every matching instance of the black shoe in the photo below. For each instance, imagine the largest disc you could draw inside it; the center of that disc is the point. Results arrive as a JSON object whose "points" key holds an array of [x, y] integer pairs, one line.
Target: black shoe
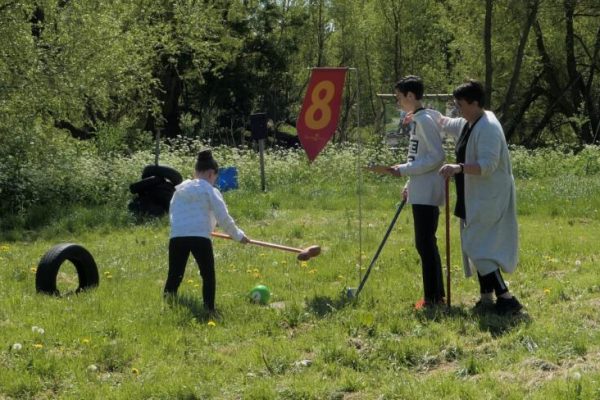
{"points": [[508, 306], [483, 306]]}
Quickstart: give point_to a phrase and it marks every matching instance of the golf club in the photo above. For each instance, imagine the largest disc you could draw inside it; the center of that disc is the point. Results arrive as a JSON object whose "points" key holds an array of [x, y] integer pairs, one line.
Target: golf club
{"points": [[303, 254], [447, 242], [354, 292]]}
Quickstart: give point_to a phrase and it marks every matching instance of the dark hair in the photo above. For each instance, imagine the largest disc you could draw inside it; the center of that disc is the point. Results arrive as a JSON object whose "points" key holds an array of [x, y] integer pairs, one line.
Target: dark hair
{"points": [[470, 91], [411, 83], [205, 161]]}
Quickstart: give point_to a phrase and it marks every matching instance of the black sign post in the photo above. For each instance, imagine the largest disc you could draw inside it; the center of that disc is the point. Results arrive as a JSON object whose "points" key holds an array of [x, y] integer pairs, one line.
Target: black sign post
{"points": [[258, 127]]}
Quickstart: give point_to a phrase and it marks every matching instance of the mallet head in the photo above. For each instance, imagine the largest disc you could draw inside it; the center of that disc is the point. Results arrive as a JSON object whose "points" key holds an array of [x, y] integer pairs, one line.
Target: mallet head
{"points": [[309, 253]]}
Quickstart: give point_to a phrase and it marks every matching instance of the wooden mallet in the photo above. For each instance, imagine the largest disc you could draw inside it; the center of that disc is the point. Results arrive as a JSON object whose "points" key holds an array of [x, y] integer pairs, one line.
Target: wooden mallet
{"points": [[303, 254]]}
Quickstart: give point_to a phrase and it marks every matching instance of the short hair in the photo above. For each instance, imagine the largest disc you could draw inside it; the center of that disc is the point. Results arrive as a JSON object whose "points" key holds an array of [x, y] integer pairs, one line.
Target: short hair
{"points": [[470, 91], [411, 83], [205, 161]]}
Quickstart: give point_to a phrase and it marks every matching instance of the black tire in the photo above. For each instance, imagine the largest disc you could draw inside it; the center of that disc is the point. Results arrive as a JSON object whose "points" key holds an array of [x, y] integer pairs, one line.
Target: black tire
{"points": [[162, 194], [163, 171], [47, 271], [150, 207], [146, 184]]}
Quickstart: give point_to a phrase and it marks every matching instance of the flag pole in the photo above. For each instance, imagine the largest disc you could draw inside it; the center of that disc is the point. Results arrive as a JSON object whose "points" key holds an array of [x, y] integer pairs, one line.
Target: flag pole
{"points": [[359, 173]]}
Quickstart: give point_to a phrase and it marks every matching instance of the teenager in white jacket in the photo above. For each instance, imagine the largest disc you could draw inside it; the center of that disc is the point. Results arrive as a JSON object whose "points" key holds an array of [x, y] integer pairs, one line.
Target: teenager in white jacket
{"points": [[486, 196], [425, 187], [196, 207]]}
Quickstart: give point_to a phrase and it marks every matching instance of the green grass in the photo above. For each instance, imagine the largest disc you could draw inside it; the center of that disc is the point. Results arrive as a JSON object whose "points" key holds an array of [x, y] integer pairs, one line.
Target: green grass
{"points": [[122, 341]]}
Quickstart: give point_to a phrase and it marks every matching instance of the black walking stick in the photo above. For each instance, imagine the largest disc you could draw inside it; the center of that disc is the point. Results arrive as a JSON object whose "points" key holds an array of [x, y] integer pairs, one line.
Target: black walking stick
{"points": [[353, 292]]}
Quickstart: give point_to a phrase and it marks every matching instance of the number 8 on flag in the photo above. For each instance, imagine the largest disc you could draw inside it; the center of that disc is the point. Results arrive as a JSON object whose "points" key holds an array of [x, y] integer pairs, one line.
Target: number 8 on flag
{"points": [[321, 109]]}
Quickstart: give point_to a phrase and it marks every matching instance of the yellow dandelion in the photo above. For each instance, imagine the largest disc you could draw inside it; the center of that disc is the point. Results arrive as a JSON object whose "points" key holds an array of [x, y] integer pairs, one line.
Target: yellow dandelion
{"points": [[255, 270], [135, 371], [284, 262], [38, 346], [190, 281], [4, 248], [248, 271], [85, 341], [546, 291], [262, 255], [312, 271], [211, 323], [33, 269], [106, 272], [108, 277], [256, 275], [303, 264], [340, 277]]}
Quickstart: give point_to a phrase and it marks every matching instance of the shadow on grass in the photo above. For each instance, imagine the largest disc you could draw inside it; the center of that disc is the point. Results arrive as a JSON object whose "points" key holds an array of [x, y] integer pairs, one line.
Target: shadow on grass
{"points": [[194, 305], [497, 325], [442, 312], [323, 305]]}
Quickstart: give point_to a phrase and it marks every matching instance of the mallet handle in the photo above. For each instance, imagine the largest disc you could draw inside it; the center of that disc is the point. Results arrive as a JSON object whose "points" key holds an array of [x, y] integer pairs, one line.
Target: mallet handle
{"points": [[260, 243]]}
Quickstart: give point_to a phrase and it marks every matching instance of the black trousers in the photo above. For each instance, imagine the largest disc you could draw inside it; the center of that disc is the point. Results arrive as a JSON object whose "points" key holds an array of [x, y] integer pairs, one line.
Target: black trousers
{"points": [[426, 222], [492, 282], [179, 252]]}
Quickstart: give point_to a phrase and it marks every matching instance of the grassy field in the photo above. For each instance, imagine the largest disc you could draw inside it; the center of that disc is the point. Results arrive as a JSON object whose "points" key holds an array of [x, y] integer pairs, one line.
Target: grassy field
{"points": [[122, 341]]}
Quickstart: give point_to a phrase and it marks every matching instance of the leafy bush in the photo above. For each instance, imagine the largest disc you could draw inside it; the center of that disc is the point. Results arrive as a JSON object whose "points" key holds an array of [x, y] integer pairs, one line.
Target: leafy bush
{"points": [[45, 173]]}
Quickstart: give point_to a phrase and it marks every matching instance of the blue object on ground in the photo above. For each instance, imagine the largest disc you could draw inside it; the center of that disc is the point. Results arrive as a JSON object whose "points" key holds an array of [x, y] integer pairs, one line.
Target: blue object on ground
{"points": [[227, 179]]}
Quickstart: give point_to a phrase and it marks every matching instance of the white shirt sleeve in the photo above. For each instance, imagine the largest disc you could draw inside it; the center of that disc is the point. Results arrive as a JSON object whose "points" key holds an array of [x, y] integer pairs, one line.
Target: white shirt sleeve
{"points": [[489, 147], [224, 220], [453, 126], [430, 153]]}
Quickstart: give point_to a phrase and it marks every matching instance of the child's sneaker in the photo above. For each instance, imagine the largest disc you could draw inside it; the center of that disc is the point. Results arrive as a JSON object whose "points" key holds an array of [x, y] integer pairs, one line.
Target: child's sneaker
{"points": [[421, 304], [508, 306]]}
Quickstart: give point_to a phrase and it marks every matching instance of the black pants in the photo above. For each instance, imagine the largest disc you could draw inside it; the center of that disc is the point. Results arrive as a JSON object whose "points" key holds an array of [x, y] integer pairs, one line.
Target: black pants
{"points": [[179, 252], [492, 282], [426, 222]]}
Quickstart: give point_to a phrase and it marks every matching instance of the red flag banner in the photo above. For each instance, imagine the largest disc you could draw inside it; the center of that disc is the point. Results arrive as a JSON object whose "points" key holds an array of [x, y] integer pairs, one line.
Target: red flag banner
{"points": [[321, 109]]}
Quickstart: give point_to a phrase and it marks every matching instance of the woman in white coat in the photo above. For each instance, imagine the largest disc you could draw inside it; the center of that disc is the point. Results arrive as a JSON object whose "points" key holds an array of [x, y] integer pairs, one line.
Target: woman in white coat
{"points": [[486, 196]]}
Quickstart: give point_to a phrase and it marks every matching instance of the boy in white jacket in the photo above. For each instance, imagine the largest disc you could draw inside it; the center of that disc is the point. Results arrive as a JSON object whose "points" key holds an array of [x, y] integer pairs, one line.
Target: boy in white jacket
{"points": [[196, 207], [425, 187]]}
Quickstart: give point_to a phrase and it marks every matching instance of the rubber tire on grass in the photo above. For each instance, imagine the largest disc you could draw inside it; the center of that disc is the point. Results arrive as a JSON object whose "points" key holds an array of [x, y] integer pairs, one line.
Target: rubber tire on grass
{"points": [[47, 271], [144, 206], [163, 171], [146, 184], [162, 194]]}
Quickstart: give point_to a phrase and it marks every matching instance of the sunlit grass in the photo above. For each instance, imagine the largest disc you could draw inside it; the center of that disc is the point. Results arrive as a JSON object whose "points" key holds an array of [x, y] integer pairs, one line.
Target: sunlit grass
{"points": [[122, 340]]}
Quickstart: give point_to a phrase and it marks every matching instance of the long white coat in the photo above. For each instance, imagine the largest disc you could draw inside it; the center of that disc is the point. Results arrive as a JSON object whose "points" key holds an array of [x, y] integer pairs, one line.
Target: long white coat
{"points": [[490, 236]]}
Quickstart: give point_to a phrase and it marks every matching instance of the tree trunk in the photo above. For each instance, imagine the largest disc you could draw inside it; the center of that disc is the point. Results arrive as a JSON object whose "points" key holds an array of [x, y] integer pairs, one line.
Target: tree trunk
{"points": [[512, 122], [487, 45], [583, 131], [320, 35], [510, 92]]}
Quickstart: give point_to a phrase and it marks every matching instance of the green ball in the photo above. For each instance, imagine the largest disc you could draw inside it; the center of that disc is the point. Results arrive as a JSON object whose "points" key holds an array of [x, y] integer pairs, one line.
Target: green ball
{"points": [[260, 294]]}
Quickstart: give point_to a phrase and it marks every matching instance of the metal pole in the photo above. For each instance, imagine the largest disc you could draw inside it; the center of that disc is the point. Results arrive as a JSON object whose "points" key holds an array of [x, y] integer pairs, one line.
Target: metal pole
{"points": [[359, 172], [157, 147], [449, 302], [261, 152]]}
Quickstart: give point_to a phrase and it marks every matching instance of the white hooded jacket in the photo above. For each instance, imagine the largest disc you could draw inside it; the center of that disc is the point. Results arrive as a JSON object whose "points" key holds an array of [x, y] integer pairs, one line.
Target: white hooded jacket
{"points": [[425, 157], [196, 208]]}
